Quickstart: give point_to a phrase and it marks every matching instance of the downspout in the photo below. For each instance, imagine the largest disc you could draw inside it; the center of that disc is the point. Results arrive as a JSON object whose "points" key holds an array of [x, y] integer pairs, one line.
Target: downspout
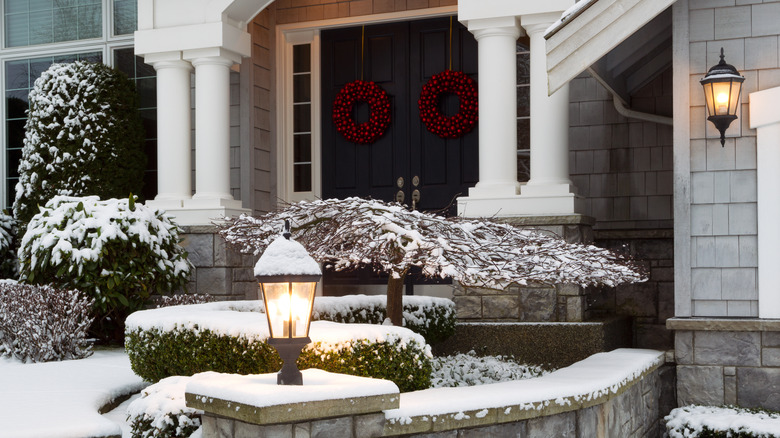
{"points": [[626, 112]]}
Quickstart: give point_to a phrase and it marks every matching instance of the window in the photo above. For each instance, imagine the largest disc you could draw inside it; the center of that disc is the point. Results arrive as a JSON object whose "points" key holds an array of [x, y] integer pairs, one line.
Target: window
{"points": [[302, 163], [33, 22], [523, 112], [125, 16]]}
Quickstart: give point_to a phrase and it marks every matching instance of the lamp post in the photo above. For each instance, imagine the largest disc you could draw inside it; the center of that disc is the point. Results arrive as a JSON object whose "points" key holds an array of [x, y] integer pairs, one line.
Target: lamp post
{"points": [[288, 277], [722, 86]]}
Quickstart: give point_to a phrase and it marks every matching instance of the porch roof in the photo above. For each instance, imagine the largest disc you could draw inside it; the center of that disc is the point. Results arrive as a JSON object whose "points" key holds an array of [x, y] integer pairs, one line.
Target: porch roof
{"points": [[623, 43]]}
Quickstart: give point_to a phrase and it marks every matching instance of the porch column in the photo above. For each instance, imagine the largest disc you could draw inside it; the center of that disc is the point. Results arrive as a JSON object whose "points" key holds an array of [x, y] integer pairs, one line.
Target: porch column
{"points": [[765, 119], [496, 40], [173, 132], [549, 127], [212, 127]]}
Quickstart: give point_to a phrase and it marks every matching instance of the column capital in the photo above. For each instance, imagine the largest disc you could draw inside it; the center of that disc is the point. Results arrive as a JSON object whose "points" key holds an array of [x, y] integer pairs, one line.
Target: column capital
{"points": [[536, 23], [172, 64], [212, 56], [497, 26]]}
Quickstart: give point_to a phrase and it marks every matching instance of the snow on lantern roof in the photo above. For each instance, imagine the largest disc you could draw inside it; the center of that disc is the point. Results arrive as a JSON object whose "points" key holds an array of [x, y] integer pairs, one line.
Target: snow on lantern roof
{"points": [[285, 256]]}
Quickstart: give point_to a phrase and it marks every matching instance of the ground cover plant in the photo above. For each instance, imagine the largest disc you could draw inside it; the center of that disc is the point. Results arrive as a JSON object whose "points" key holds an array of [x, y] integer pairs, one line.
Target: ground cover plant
{"points": [[432, 317], [41, 323], [229, 337], [469, 369], [83, 136], [722, 422], [353, 233], [116, 251]]}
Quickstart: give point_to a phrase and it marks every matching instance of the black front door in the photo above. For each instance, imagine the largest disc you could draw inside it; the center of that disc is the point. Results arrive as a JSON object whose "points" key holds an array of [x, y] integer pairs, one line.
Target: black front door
{"points": [[400, 58]]}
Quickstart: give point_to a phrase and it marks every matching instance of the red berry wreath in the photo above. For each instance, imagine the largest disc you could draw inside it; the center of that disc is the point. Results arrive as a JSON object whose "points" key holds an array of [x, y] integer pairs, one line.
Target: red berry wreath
{"points": [[379, 118], [457, 83]]}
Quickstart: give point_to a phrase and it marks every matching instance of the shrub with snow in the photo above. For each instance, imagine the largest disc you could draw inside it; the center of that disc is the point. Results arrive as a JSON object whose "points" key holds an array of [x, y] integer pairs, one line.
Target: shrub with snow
{"points": [[182, 299], [41, 323], [83, 137], [432, 317], [470, 370], [8, 264], [116, 251], [230, 337], [161, 411], [722, 422]]}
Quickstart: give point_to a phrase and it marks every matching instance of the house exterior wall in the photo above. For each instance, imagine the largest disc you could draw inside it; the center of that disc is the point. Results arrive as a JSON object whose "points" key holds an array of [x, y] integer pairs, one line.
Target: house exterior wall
{"points": [[724, 353]]}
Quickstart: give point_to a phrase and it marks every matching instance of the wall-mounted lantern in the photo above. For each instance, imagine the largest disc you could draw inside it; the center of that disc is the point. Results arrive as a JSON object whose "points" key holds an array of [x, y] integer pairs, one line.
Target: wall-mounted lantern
{"points": [[722, 86], [288, 277]]}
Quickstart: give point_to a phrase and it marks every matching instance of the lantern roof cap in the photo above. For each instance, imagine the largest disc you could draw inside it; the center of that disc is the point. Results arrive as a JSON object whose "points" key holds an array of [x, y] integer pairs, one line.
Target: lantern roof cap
{"points": [[284, 257], [722, 70]]}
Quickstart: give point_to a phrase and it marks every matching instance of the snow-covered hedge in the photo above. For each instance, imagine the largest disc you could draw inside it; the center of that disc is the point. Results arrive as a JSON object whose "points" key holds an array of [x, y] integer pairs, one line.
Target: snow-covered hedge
{"points": [[41, 324], [161, 412], [83, 136], [432, 317], [116, 251], [8, 265], [230, 337], [182, 299], [722, 422], [471, 370]]}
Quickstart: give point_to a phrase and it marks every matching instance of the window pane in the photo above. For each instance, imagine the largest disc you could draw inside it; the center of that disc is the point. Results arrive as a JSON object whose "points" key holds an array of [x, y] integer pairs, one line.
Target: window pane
{"points": [[302, 88], [142, 69], [302, 58], [65, 24], [13, 6], [17, 75], [302, 178], [147, 91], [302, 118], [124, 61], [125, 13], [90, 24], [14, 156], [16, 30], [523, 101], [523, 68], [302, 148], [46, 21], [16, 104], [15, 134]]}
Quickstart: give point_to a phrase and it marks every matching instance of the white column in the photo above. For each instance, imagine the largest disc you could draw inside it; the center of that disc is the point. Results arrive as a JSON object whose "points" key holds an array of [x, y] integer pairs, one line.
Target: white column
{"points": [[212, 127], [496, 39], [173, 131], [549, 120], [765, 118]]}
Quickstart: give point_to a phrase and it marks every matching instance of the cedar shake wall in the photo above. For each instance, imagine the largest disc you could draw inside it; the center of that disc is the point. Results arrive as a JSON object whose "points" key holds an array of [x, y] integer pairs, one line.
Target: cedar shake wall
{"points": [[263, 138], [296, 11]]}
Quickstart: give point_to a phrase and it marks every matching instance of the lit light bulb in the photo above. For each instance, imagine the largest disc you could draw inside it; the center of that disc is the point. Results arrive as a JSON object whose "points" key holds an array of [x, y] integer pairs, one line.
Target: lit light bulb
{"points": [[722, 101]]}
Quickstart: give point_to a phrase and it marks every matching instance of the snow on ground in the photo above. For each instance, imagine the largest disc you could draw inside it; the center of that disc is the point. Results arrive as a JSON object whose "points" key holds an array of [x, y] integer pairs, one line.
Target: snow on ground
{"points": [[61, 399], [689, 420]]}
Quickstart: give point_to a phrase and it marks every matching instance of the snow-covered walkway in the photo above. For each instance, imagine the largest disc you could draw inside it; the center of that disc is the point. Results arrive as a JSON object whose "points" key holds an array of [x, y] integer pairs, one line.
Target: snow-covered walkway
{"points": [[61, 399]]}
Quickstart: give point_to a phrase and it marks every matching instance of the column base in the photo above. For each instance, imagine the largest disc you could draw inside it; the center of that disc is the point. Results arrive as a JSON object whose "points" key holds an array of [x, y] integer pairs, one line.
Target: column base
{"points": [[520, 205], [187, 212]]}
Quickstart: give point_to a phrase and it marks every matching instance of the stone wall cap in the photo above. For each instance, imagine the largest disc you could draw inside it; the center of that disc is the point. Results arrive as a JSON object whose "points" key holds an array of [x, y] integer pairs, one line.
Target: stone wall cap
{"points": [[257, 398], [537, 221], [724, 324]]}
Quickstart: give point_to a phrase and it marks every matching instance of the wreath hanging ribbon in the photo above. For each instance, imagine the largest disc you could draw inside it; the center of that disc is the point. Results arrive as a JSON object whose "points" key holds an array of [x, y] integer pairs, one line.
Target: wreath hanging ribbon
{"points": [[459, 84], [379, 117]]}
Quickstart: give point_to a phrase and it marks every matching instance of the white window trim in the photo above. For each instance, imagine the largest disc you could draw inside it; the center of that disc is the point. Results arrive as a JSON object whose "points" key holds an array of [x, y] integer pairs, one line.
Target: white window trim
{"points": [[288, 35], [106, 45]]}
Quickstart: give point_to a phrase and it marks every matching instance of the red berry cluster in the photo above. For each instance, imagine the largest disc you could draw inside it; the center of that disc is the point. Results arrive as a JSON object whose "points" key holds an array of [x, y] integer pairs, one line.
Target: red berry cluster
{"points": [[379, 119], [457, 83]]}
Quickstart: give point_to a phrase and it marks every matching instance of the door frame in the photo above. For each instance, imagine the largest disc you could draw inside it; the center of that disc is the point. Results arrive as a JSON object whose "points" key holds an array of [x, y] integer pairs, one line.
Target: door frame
{"points": [[288, 35]]}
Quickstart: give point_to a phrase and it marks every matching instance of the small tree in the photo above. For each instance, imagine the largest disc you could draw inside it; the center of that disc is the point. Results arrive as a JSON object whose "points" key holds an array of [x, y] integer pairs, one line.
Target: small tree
{"points": [[83, 137], [350, 233]]}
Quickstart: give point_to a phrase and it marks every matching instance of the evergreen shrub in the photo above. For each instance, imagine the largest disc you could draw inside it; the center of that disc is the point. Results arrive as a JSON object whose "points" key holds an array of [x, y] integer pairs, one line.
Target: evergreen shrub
{"points": [[432, 317], [83, 136], [8, 263], [117, 251], [231, 338]]}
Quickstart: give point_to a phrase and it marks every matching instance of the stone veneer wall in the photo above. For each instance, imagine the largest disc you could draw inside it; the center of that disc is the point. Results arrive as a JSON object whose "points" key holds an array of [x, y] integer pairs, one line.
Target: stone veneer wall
{"points": [[219, 271], [635, 412], [722, 361]]}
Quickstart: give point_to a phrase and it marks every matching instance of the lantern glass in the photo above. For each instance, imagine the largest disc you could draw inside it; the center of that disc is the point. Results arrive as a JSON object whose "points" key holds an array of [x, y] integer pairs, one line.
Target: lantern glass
{"points": [[722, 97], [288, 308]]}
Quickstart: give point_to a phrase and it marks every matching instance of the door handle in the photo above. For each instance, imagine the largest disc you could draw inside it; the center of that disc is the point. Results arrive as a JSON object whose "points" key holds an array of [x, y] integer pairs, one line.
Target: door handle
{"points": [[400, 196], [415, 198]]}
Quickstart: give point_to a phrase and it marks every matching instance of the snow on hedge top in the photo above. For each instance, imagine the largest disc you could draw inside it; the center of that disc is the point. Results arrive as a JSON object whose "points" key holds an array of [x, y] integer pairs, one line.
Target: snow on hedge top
{"points": [[76, 229], [286, 257], [690, 421], [354, 232], [244, 319]]}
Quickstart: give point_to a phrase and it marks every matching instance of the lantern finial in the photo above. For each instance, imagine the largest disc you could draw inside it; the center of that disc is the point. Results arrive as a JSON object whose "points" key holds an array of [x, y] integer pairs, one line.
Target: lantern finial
{"points": [[287, 234]]}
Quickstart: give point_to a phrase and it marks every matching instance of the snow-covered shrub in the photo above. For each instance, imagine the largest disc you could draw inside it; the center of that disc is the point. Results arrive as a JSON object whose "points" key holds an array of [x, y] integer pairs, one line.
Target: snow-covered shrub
{"points": [[8, 265], [182, 299], [432, 317], [722, 422], [161, 412], [41, 324], [470, 370], [83, 137], [230, 337], [116, 251]]}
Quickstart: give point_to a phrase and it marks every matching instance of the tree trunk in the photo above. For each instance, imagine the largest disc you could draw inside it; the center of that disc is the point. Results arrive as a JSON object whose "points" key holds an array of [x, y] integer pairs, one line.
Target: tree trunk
{"points": [[395, 296]]}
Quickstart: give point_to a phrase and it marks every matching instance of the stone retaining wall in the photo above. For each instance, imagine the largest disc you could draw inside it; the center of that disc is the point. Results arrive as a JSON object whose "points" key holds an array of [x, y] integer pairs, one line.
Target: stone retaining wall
{"points": [[727, 361]]}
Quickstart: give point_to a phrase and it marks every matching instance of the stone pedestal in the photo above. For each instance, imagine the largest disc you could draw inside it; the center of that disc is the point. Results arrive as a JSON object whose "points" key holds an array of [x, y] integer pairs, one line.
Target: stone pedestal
{"points": [[327, 404], [531, 303]]}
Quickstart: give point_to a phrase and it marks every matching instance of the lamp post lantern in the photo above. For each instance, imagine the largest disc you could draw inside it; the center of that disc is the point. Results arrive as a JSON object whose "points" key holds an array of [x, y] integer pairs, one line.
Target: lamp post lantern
{"points": [[288, 277], [722, 86]]}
